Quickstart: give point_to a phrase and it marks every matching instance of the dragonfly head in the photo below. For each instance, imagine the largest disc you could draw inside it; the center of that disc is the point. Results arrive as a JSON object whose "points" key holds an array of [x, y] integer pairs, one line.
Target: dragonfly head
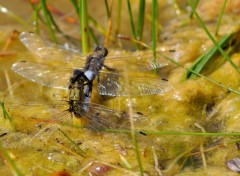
{"points": [[101, 49]]}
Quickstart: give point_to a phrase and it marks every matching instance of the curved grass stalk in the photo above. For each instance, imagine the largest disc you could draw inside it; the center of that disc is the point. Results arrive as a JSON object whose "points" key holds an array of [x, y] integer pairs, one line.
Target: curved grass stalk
{"points": [[212, 38], [93, 36], [5, 113], [82, 153], [49, 20], [36, 17], [133, 131], [75, 5], [177, 133], [195, 6], [202, 76], [131, 19], [220, 17], [201, 62], [9, 160], [204, 134]]}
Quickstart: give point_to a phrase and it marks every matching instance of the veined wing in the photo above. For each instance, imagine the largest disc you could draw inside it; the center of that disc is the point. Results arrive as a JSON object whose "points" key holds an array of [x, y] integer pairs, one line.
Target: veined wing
{"points": [[138, 61], [118, 85], [47, 50], [142, 61], [40, 127], [43, 74], [101, 117]]}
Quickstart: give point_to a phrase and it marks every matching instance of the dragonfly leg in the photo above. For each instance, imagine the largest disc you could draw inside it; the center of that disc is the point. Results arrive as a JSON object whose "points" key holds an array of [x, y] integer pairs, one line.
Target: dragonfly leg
{"points": [[109, 68]]}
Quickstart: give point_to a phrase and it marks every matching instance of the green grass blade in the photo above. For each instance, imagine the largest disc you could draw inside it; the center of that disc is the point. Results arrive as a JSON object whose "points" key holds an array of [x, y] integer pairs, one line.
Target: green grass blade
{"points": [[97, 26], [205, 58], [206, 134], [202, 76], [135, 143], [177, 133], [84, 25], [154, 35], [93, 36], [48, 19], [131, 19], [195, 6], [75, 5], [5, 113], [12, 163], [82, 153], [107, 8], [220, 17], [36, 17], [213, 40], [119, 17], [141, 14]]}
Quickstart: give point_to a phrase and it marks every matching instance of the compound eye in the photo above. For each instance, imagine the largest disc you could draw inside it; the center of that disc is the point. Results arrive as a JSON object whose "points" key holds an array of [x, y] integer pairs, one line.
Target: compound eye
{"points": [[97, 48], [102, 49], [105, 52]]}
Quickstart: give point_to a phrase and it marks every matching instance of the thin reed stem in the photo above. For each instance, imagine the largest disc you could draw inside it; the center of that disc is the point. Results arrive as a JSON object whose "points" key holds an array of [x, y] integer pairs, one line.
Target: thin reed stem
{"points": [[212, 38], [220, 17], [141, 14], [84, 25], [154, 35]]}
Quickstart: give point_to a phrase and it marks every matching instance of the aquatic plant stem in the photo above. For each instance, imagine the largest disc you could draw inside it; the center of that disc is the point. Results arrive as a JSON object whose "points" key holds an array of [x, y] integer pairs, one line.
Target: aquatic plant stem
{"points": [[220, 17], [75, 5], [154, 36], [141, 14], [82, 153], [177, 133], [36, 18], [84, 25], [202, 76], [212, 38], [195, 6], [109, 27], [200, 63], [119, 17], [133, 132], [48, 18], [10, 161], [131, 19], [5, 113]]}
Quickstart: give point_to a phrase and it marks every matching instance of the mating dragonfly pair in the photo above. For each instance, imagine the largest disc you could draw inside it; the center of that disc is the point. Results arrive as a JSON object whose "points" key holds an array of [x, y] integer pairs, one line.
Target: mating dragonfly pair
{"points": [[79, 78]]}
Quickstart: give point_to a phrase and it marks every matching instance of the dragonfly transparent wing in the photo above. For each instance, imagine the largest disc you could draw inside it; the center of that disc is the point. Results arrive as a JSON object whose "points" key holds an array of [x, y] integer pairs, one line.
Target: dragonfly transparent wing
{"points": [[118, 85], [47, 50], [43, 74], [143, 61], [40, 126], [138, 61], [101, 117]]}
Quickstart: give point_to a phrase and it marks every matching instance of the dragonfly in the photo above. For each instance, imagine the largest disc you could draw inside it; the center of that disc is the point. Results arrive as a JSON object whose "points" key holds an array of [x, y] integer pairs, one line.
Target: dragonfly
{"points": [[111, 81]]}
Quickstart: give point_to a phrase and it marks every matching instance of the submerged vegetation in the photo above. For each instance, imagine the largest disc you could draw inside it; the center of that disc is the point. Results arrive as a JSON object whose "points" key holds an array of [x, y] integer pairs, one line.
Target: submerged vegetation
{"points": [[191, 128]]}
